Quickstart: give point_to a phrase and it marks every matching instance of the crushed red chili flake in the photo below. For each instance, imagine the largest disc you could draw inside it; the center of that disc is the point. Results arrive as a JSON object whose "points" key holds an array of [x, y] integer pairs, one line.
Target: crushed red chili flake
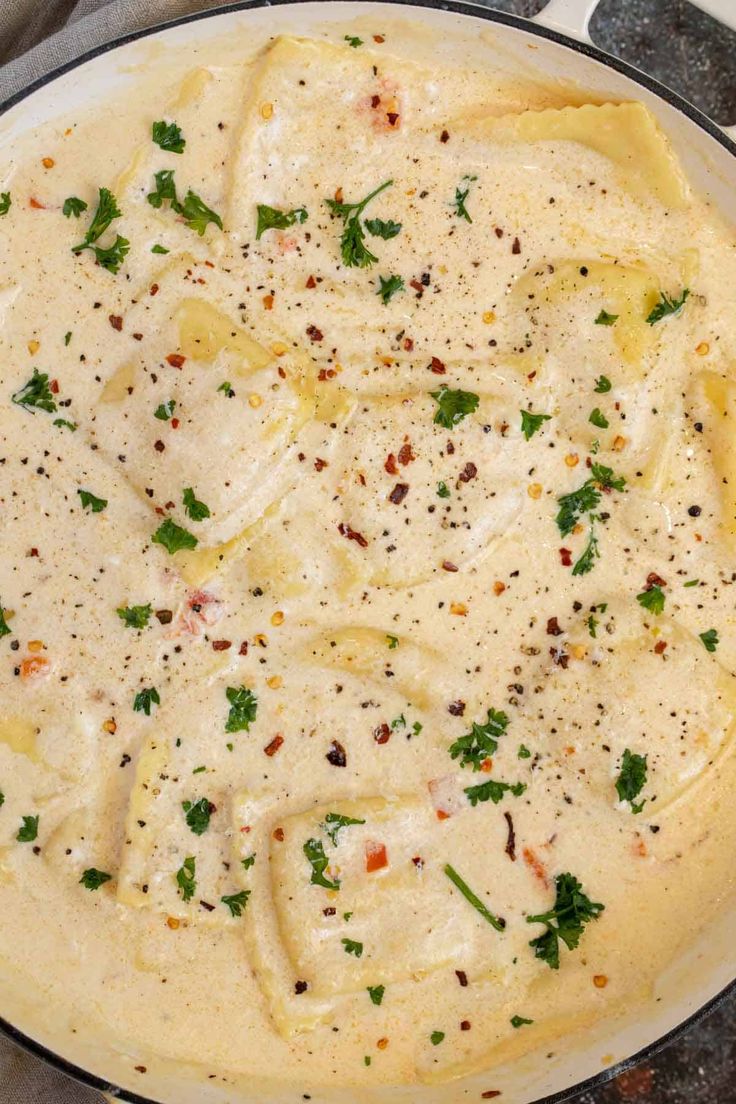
{"points": [[221, 645], [510, 848], [660, 646], [382, 734], [319, 464], [379, 39], [138, 336], [153, 289], [399, 493], [447, 565], [490, 1094], [418, 286], [408, 344], [418, 862], [390, 464], [469, 472], [462, 977], [33, 202], [516, 247], [275, 744], [311, 282], [465, 1025], [116, 321], [553, 628], [450, 448], [653, 579], [566, 557], [376, 857], [350, 534], [406, 454], [164, 616], [278, 834], [456, 708], [54, 387], [176, 360], [392, 117], [33, 552], [336, 755], [375, 101], [498, 231], [314, 334], [141, 1069], [445, 136], [243, 650], [159, 446], [175, 423], [329, 911]]}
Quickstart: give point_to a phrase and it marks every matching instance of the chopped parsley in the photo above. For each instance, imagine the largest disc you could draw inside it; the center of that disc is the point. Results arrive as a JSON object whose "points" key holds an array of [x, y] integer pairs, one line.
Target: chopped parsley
{"points": [[605, 319], [530, 422], [598, 418], [243, 709], [5, 202], [353, 41], [392, 641], [667, 306], [97, 505], [443, 491], [602, 385], [159, 249], [566, 921], [471, 898], [62, 423], [691, 583], [67, 339], [710, 639], [586, 561], [173, 537], [352, 947], [271, 218], [193, 210], [333, 822], [383, 228], [135, 617], [165, 410], [453, 406], [388, 286], [436, 1037], [652, 599], [315, 853], [519, 1021], [226, 388], [193, 508], [586, 498], [493, 791], [376, 992], [481, 742], [236, 902], [168, 136], [28, 831], [248, 862], [523, 752], [186, 878], [632, 779], [355, 253], [73, 206], [144, 699], [461, 194], [92, 879], [165, 188], [197, 815], [4, 629], [112, 256], [36, 394]]}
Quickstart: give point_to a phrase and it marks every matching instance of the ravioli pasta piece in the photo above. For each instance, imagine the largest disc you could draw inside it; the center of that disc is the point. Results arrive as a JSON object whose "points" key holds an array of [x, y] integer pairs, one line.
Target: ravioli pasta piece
{"points": [[719, 393], [625, 133]]}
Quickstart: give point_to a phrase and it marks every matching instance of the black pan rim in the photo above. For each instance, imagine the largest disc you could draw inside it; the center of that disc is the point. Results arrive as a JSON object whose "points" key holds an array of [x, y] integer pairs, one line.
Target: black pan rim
{"points": [[459, 7]]}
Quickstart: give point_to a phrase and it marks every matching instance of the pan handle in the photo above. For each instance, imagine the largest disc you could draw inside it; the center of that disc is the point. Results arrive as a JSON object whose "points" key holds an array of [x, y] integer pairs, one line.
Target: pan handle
{"points": [[572, 17]]}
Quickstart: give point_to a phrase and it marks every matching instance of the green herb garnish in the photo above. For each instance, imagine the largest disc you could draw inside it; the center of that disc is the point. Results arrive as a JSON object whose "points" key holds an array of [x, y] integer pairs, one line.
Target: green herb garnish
{"points": [[519, 1021], [62, 423], [586, 498], [28, 831], [667, 306], [710, 639], [36, 394], [383, 228], [602, 385], [376, 993], [530, 422], [197, 815], [388, 286], [591, 552], [185, 878], [493, 791], [443, 491], [315, 853], [73, 206], [605, 319], [481, 742], [92, 879], [352, 947], [165, 410], [168, 136], [97, 505], [144, 699], [248, 862], [243, 709], [598, 418], [5, 203], [353, 41], [109, 257], [4, 629], [652, 599], [135, 617], [193, 508], [159, 249], [495, 921], [271, 218], [565, 921], [453, 406], [632, 778], [392, 641], [193, 210], [333, 822], [461, 194], [355, 253], [236, 902], [173, 537], [436, 1037]]}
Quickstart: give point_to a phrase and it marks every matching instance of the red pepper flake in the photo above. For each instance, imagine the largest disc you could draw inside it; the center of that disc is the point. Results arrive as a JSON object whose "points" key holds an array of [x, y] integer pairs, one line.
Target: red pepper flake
{"points": [[390, 464], [379, 39], [159, 446], [408, 344], [243, 650], [465, 1025], [510, 848], [268, 302], [33, 552], [535, 865], [418, 286], [490, 1094], [376, 857], [350, 534], [221, 645], [141, 1069], [176, 360], [36, 205], [278, 834], [660, 646], [450, 448], [274, 746], [336, 755], [375, 101], [314, 334], [175, 423], [516, 247], [116, 321], [442, 815], [456, 708], [447, 565], [382, 734], [445, 136], [153, 290], [437, 366], [553, 628], [418, 862], [566, 557], [164, 616], [138, 336], [469, 472], [498, 231], [653, 579], [406, 455], [319, 465], [329, 911], [399, 493], [392, 117], [311, 282], [54, 387]]}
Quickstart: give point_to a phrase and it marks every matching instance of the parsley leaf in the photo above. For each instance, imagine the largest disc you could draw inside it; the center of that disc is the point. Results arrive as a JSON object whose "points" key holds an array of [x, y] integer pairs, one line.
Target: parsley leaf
{"points": [[248, 862], [353, 41], [226, 388], [92, 878], [168, 136], [381, 228], [602, 385], [710, 639], [36, 394], [159, 249], [97, 505], [64, 424], [186, 878], [667, 306], [73, 206], [5, 202], [173, 537], [352, 947], [591, 552], [144, 699], [481, 742], [165, 189], [566, 920], [530, 422], [453, 406], [135, 617], [4, 629], [271, 218], [652, 599], [632, 778], [2, 799], [109, 257], [495, 921], [376, 993], [461, 194], [165, 410], [198, 815], [193, 508], [28, 831], [243, 709], [523, 752], [605, 319], [443, 491], [493, 791], [355, 253], [586, 498], [315, 853], [389, 285], [236, 902], [197, 214], [333, 822], [519, 1021], [598, 418], [113, 256], [436, 1037], [392, 641]]}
